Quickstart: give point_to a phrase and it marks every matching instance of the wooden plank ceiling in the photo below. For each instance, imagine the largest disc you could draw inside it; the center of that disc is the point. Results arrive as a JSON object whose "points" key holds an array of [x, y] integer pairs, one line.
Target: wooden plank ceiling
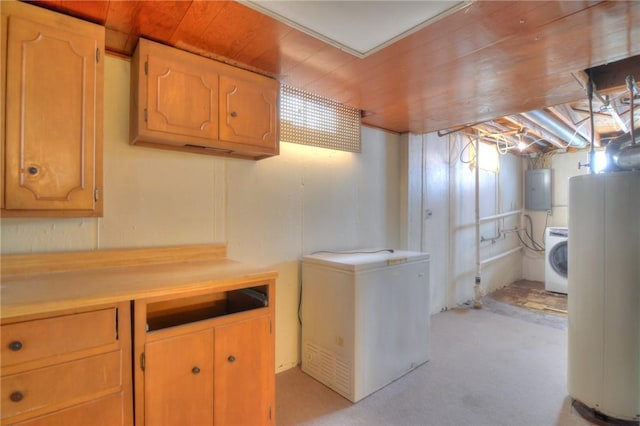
{"points": [[490, 61]]}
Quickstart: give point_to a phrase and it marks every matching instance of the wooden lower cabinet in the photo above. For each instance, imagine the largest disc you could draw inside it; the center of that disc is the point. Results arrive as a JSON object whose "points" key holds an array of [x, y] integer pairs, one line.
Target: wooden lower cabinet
{"points": [[68, 368], [179, 380], [206, 358], [244, 373], [88, 339], [105, 411]]}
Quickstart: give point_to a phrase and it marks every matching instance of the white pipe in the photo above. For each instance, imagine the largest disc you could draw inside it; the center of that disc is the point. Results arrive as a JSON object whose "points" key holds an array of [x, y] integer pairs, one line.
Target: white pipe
{"points": [[500, 216], [477, 300], [501, 255]]}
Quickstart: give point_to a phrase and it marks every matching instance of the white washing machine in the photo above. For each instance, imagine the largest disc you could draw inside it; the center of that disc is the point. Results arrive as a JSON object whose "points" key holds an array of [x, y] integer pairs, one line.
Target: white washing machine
{"points": [[556, 259]]}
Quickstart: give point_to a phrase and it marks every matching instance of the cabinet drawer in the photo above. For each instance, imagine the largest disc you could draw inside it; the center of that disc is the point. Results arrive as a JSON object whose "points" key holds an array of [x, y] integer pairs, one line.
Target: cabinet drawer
{"points": [[67, 383], [102, 412], [31, 340]]}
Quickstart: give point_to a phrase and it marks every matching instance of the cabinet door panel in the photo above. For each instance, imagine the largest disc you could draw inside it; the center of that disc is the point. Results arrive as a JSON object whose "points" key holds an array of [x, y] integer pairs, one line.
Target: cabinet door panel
{"points": [[244, 373], [57, 336], [51, 126], [179, 380], [182, 97], [63, 384], [102, 412], [248, 111]]}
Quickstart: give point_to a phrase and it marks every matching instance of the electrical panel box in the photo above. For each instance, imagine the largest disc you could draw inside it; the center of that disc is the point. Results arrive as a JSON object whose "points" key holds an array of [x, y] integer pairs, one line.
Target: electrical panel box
{"points": [[537, 189]]}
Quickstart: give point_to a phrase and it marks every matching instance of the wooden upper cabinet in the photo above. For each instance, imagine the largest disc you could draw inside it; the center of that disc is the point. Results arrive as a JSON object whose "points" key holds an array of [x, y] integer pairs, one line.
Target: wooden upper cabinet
{"points": [[182, 101], [54, 90], [248, 111], [175, 97]]}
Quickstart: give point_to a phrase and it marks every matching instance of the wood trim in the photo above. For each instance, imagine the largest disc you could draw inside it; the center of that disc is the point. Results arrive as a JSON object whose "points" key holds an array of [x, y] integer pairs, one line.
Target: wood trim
{"points": [[38, 263]]}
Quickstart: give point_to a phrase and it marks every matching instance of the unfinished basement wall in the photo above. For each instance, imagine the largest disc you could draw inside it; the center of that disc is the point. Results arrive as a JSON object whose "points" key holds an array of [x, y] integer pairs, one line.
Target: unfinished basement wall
{"points": [[563, 166], [438, 216], [309, 199]]}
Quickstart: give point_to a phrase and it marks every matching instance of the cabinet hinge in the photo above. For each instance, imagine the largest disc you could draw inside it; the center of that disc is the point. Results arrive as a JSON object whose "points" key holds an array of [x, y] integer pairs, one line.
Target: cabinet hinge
{"points": [[96, 194], [116, 322], [145, 115], [269, 412], [142, 361], [146, 67], [97, 55]]}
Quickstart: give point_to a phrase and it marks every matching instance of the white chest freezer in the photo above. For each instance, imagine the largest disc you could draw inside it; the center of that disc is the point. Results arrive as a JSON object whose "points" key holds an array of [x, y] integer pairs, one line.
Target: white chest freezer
{"points": [[365, 318]]}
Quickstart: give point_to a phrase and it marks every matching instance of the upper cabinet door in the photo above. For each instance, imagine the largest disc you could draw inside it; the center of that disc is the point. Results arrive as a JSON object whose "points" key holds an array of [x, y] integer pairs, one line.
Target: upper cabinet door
{"points": [[249, 111], [53, 143], [182, 95]]}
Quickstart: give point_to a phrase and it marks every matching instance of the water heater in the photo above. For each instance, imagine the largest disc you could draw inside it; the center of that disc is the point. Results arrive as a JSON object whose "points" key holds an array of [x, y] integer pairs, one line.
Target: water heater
{"points": [[604, 293]]}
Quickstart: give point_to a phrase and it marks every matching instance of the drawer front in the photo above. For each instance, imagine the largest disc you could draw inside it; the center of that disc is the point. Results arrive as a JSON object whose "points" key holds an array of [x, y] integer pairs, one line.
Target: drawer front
{"points": [[31, 340], [69, 383], [102, 412]]}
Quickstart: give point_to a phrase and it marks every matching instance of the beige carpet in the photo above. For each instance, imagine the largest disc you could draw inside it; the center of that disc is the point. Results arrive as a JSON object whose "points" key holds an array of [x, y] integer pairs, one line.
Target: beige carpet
{"points": [[486, 368]]}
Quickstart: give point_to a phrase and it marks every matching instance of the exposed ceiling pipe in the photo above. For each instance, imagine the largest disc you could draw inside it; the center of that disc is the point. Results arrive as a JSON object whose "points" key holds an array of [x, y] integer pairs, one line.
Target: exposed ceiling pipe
{"points": [[623, 154], [631, 85], [539, 130], [569, 117], [557, 127], [584, 80], [497, 131]]}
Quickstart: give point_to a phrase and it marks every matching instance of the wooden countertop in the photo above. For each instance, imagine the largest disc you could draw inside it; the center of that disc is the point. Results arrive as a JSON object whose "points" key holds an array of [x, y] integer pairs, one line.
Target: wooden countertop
{"points": [[115, 276]]}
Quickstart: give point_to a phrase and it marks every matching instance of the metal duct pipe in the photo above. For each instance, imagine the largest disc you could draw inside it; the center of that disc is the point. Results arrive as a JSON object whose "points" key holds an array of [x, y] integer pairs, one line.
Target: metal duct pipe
{"points": [[631, 85], [477, 289], [629, 157], [623, 154], [556, 127]]}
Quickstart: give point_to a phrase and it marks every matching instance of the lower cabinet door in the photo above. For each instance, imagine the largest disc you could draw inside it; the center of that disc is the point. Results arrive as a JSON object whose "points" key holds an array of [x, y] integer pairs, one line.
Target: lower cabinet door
{"points": [[244, 373], [107, 411], [179, 380], [42, 390]]}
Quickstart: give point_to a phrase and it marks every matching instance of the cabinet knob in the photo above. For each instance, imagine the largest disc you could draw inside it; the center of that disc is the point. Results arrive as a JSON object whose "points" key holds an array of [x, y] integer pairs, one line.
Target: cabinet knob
{"points": [[195, 370], [16, 396], [234, 114], [15, 346], [32, 170], [231, 358]]}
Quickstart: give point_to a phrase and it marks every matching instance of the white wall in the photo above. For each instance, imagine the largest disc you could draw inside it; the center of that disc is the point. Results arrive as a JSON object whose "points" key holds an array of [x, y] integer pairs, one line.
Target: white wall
{"points": [[563, 166], [438, 216], [310, 199], [269, 212]]}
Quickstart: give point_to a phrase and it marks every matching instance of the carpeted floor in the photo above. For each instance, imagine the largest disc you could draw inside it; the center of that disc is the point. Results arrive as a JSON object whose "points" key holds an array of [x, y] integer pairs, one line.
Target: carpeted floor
{"points": [[487, 367]]}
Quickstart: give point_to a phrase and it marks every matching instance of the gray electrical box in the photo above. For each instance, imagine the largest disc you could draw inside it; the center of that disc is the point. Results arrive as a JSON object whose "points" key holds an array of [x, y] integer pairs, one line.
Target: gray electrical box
{"points": [[537, 189]]}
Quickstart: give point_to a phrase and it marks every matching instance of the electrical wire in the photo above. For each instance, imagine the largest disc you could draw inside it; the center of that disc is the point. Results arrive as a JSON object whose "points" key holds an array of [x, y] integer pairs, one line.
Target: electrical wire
{"points": [[533, 245], [529, 233], [527, 245], [464, 149], [546, 222], [300, 301]]}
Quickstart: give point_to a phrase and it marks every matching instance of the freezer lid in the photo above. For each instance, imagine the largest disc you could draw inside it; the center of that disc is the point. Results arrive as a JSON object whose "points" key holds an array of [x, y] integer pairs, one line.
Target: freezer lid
{"points": [[364, 259]]}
